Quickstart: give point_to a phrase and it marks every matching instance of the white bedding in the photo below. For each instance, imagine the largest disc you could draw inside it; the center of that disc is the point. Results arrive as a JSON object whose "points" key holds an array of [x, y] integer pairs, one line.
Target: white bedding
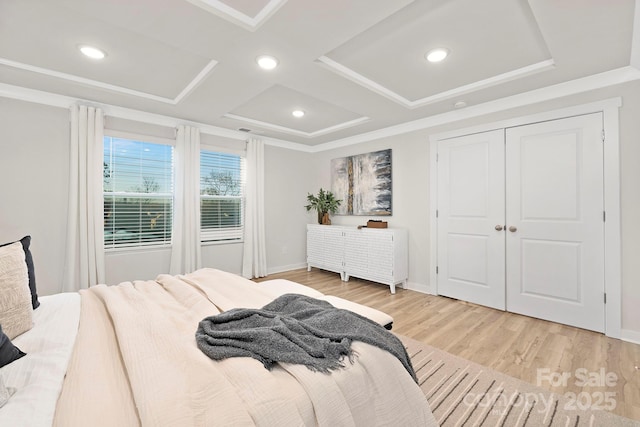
{"points": [[88, 367], [38, 376], [136, 363], [280, 287]]}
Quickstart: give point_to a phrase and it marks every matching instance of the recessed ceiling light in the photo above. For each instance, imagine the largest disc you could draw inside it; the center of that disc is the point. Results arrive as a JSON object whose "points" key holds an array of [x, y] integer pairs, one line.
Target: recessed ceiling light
{"points": [[437, 55], [92, 52], [297, 113], [267, 62]]}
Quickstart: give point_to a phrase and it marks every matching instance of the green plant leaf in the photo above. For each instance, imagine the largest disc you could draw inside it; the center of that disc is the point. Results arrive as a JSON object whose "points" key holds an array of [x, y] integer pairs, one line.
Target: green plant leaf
{"points": [[325, 201]]}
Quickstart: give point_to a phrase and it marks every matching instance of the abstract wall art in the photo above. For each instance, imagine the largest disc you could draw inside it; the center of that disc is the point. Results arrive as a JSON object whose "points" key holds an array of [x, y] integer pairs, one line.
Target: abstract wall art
{"points": [[363, 183]]}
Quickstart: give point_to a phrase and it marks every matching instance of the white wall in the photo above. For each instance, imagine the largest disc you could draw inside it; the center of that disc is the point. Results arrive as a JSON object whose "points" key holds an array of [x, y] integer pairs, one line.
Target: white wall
{"points": [[410, 204], [34, 159], [33, 195], [135, 264], [288, 175], [142, 264], [34, 163], [286, 178], [411, 188]]}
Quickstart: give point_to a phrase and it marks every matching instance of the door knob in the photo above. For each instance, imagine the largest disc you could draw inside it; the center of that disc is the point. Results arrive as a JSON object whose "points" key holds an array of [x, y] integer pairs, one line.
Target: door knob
{"points": [[499, 227], [513, 228]]}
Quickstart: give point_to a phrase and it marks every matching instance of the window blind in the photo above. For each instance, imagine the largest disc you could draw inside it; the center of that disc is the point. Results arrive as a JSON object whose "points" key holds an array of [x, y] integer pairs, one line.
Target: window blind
{"points": [[138, 193], [222, 181]]}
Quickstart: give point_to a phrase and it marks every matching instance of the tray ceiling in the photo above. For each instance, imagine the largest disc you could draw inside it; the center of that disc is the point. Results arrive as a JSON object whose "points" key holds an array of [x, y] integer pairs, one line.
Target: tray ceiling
{"points": [[354, 67]]}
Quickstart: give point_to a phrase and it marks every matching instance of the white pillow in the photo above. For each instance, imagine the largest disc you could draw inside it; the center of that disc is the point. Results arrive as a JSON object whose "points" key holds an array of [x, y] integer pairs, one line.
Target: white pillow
{"points": [[15, 298], [5, 392]]}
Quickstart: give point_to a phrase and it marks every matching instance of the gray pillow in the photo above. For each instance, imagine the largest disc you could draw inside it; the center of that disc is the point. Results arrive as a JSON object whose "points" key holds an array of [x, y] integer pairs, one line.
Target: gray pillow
{"points": [[8, 351]]}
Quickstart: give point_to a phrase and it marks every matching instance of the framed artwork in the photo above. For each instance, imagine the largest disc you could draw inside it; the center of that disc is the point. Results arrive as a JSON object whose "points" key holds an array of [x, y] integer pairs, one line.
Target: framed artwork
{"points": [[363, 183]]}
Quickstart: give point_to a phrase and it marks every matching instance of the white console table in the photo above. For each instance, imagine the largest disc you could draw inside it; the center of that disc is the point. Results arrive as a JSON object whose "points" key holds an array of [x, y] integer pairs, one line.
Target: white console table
{"points": [[376, 254]]}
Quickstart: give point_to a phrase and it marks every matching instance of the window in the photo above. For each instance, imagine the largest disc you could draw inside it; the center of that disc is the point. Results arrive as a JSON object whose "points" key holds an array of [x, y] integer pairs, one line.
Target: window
{"points": [[221, 196], [138, 193]]}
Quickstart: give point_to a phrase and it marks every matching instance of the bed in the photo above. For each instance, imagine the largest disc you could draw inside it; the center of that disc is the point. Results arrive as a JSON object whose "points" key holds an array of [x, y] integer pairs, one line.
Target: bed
{"points": [[126, 355]]}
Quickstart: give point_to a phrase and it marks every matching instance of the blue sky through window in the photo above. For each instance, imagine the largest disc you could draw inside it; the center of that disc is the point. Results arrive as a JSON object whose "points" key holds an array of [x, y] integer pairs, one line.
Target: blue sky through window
{"points": [[137, 166]]}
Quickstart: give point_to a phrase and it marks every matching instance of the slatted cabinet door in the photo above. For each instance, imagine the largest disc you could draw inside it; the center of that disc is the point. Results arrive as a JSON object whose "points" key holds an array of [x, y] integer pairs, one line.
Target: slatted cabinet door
{"points": [[379, 255], [325, 248], [315, 246], [356, 257], [334, 240]]}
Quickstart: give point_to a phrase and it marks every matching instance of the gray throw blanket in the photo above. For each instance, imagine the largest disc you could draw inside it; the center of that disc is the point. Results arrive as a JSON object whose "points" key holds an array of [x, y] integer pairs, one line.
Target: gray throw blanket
{"points": [[294, 329]]}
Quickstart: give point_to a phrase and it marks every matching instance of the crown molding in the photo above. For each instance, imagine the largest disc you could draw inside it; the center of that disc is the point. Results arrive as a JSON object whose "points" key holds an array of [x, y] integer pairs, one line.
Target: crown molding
{"points": [[113, 88], [375, 87], [572, 87], [291, 131], [36, 96], [236, 17], [575, 110], [585, 84], [61, 101]]}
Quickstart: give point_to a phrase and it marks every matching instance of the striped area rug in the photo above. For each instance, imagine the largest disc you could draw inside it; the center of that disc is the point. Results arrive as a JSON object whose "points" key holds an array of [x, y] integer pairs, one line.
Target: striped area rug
{"points": [[463, 393]]}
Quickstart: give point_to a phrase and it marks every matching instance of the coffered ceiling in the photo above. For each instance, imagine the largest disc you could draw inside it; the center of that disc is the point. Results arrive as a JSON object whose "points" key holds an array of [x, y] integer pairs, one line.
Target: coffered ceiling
{"points": [[353, 66]]}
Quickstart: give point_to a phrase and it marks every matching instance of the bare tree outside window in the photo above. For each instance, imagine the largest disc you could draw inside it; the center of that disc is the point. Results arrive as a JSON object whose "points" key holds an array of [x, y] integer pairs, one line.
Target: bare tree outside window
{"points": [[149, 185], [221, 196], [221, 184]]}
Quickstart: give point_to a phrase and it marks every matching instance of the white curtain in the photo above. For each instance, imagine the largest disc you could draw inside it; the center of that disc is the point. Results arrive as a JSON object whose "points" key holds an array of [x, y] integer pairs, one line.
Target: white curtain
{"points": [[84, 265], [185, 241], [254, 261]]}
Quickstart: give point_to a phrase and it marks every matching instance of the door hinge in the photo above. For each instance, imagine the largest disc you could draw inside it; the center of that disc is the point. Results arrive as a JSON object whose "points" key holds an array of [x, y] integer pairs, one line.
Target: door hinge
{"points": [[436, 269], [602, 135], [436, 213], [437, 156], [604, 216], [605, 297]]}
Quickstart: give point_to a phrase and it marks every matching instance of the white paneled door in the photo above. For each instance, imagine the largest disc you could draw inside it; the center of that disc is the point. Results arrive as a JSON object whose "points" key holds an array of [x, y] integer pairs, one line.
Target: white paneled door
{"points": [[520, 220], [471, 251], [555, 225]]}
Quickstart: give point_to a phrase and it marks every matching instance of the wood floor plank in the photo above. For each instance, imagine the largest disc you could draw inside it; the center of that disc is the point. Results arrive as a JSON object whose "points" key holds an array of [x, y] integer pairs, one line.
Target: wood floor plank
{"points": [[516, 345]]}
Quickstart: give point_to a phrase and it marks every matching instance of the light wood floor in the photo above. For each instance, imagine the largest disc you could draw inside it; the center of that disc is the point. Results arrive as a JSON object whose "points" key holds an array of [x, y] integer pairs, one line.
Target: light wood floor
{"points": [[522, 347]]}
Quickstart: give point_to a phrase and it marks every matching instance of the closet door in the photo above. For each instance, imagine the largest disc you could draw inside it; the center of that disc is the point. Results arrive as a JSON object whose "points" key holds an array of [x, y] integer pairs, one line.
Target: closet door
{"points": [[554, 211], [471, 239]]}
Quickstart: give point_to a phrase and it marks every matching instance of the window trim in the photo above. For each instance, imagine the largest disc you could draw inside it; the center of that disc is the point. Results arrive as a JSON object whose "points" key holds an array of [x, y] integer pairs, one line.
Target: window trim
{"points": [[139, 137], [242, 198]]}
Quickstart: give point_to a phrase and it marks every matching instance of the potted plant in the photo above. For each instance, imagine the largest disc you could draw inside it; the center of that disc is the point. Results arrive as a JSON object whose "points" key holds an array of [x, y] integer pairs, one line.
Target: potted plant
{"points": [[324, 202]]}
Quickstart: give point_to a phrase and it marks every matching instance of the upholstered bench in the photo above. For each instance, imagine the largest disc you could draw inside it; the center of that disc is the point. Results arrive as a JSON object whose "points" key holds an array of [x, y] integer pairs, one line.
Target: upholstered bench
{"points": [[278, 287]]}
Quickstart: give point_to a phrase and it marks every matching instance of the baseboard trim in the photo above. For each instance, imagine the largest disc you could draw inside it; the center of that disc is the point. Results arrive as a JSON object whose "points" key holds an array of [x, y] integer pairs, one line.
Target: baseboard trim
{"points": [[630, 336], [420, 287], [283, 268]]}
